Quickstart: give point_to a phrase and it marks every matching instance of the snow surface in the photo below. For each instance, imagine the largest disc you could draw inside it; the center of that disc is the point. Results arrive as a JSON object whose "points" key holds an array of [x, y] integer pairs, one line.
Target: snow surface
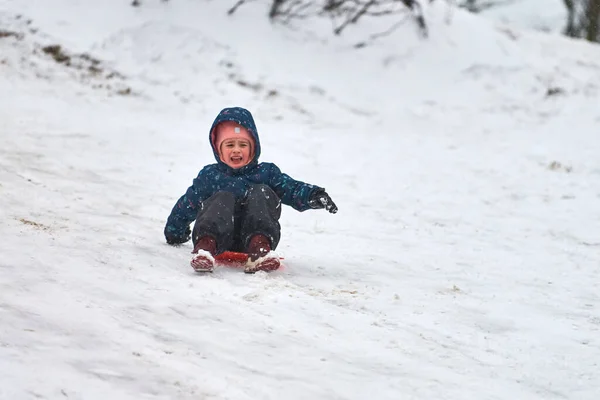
{"points": [[543, 15], [464, 262]]}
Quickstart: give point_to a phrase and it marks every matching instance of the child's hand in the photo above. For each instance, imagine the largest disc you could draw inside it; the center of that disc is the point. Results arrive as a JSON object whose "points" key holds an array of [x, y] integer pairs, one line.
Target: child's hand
{"points": [[177, 240], [320, 199]]}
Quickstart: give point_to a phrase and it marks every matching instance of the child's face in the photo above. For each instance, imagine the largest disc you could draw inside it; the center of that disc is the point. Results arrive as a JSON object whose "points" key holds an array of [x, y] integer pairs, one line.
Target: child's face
{"points": [[235, 152]]}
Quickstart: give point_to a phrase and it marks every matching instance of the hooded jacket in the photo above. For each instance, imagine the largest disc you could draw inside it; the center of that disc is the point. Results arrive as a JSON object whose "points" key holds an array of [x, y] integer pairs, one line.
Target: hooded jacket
{"points": [[221, 177]]}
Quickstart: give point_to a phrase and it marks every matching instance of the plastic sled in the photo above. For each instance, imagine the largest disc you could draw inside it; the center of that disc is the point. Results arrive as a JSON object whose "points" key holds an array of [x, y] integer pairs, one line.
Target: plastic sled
{"points": [[234, 259]]}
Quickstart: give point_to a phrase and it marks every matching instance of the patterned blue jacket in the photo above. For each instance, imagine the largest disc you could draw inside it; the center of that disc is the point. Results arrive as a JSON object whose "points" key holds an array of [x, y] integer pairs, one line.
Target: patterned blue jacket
{"points": [[221, 177]]}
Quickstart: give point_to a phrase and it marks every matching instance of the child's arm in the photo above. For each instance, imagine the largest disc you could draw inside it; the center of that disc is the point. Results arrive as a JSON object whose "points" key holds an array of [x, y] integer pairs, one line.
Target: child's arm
{"points": [[294, 193], [177, 229]]}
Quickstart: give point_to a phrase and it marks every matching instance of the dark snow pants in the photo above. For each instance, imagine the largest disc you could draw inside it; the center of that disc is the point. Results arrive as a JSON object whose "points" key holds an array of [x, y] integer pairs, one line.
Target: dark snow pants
{"points": [[232, 223]]}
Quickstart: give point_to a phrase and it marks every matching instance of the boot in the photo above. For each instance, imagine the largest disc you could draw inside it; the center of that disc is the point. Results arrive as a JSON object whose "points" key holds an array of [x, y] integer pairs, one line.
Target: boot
{"points": [[203, 259], [261, 258]]}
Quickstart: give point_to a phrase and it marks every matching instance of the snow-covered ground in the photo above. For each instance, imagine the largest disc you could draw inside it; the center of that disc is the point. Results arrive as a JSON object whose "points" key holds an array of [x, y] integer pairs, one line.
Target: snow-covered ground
{"points": [[464, 262], [543, 15]]}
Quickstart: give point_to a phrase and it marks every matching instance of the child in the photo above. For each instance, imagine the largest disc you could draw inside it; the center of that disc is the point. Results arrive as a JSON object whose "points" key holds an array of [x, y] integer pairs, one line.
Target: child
{"points": [[236, 202]]}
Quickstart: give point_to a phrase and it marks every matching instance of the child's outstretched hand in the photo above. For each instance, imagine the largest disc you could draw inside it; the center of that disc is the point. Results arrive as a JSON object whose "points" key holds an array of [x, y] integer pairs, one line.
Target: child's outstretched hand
{"points": [[320, 199]]}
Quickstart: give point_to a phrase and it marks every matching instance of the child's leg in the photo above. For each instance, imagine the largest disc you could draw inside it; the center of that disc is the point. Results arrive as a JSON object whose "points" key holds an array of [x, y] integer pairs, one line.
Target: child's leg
{"points": [[216, 219], [260, 215], [260, 228]]}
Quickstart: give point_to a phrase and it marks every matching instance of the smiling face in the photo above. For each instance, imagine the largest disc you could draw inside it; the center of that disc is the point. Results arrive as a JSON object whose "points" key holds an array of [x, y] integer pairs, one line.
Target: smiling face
{"points": [[235, 152]]}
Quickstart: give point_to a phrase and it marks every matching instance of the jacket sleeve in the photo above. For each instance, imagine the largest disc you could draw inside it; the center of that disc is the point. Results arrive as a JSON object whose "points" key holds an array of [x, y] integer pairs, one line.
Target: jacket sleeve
{"points": [[185, 210], [291, 192]]}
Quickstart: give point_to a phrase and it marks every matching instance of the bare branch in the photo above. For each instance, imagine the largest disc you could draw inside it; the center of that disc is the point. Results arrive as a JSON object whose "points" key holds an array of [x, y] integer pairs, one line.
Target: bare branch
{"points": [[344, 13], [236, 6]]}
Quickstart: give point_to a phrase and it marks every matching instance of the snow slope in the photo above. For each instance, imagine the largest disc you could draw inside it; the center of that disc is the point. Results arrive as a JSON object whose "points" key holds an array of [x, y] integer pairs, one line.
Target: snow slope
{"points": [[463, 264], [543, 15]]}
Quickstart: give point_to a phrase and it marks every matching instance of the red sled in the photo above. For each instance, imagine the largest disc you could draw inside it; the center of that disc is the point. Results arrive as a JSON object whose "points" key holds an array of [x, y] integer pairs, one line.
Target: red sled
{"points": [[234, 259]]}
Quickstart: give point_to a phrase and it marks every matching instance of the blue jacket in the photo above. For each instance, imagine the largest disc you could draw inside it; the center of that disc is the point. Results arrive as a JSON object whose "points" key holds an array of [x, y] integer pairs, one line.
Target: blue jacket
{"points": [[221, 177]]}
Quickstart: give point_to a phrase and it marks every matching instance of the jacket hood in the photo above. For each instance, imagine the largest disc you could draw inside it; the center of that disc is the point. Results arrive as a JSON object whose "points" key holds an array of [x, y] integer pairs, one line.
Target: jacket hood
{"points": [[244, 118]]}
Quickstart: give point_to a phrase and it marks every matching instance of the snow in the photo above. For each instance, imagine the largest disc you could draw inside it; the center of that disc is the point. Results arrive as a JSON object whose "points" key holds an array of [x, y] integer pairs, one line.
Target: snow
{"points": [[543, 15], [464, 262]]}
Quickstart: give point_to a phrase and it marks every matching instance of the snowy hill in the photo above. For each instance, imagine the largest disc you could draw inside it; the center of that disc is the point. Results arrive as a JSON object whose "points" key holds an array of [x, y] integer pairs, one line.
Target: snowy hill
{"points": [[543, 15], [464, 262]]}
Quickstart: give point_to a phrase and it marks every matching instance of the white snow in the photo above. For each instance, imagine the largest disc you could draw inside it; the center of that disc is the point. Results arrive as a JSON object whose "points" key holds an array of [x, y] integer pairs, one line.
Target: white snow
{"points": [[464, 262], [543, 15]]}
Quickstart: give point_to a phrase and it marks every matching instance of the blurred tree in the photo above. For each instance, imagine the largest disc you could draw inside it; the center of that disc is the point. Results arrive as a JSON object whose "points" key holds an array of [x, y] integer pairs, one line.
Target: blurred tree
{"points": [[571, 28], [343, 13], [583, 19], [592, 19]]}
